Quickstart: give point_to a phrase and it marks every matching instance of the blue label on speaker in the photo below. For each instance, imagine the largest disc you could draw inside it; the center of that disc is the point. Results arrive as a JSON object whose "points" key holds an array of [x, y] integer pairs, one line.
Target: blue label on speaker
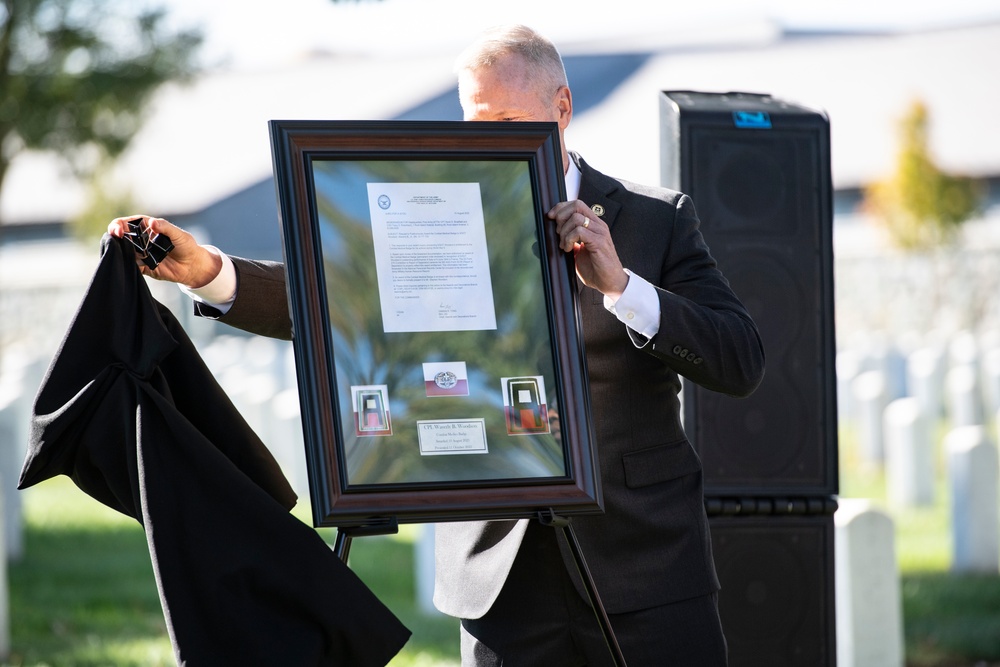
{"points": [[755, 120]]}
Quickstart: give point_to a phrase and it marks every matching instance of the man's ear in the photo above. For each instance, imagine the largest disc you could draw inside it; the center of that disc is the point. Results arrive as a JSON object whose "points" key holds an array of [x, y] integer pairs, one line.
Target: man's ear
{"points": [[564, 106]]}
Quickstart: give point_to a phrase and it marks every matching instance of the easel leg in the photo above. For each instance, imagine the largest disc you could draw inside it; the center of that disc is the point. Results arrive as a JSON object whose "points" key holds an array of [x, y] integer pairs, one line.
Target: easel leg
{"points": [[383, 526], [549, 519], [342, 546]]}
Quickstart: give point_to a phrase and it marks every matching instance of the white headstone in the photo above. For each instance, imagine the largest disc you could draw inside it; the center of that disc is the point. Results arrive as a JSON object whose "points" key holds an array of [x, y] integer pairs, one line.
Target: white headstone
{"points": [[222, 353], [254, 402], [216, 358], [15, 414], [869, 608], [925, 378], [963, 349], [965, 404], [991, 378], [849, 364], [972, 476], [870, 401], [4, 591], [423, 565], [262, 354], [289, 373], [287, 442], [909, 454], [234, 381], [893, 364]]}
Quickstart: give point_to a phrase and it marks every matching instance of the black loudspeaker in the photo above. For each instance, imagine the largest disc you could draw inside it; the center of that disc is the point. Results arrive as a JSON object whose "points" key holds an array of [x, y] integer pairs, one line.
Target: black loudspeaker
{"points": [[758, 170], [777, 597]]}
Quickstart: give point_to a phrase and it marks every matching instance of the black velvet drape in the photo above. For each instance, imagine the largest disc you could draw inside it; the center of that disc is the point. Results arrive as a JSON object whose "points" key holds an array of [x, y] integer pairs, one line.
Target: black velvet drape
{"points": [[131, 413]]}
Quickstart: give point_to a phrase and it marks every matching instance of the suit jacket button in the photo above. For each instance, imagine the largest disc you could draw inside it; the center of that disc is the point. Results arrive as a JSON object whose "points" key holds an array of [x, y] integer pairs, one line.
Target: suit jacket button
{"points": [[698, 361]]}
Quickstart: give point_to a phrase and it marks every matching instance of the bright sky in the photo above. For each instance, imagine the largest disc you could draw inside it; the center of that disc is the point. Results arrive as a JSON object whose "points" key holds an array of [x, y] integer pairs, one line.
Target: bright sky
{"points": [[254, 33]]}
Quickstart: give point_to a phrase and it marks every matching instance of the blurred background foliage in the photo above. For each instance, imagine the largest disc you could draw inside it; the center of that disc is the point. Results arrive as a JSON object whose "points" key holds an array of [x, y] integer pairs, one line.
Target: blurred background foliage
{"points": [[920, 206]]}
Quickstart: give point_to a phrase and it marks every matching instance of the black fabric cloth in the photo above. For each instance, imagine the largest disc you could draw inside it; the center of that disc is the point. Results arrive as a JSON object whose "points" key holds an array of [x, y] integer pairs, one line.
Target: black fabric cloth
{"points": [[130, 412]]}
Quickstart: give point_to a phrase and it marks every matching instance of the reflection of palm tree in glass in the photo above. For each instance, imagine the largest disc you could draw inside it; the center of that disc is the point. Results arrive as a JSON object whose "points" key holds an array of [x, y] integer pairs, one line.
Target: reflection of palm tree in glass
{"points": [[366, 355]]}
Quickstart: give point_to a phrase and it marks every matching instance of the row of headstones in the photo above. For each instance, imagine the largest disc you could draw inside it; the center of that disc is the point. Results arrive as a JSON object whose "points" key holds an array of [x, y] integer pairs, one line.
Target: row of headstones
{"points": [[895, 403], [971, 463], [896, 431], [957, 379]]}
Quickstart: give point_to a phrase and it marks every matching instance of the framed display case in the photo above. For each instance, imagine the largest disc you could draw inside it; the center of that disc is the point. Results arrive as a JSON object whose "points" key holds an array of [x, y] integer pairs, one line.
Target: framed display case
{"points": [[438, 348]]}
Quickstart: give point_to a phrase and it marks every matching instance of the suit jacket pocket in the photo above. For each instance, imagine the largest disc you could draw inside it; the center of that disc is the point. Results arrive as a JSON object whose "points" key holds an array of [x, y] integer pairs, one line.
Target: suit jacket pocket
{"points": [[660, 464]]}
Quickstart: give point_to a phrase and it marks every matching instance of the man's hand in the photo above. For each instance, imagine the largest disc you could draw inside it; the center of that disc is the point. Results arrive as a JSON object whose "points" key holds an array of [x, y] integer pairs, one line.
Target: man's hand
{"points": [[588, 237], [188, 263]]}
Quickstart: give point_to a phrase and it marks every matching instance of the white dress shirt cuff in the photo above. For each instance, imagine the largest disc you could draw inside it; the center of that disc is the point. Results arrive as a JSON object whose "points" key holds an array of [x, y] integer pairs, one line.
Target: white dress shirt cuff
{"points": [[221, 291], [638, 307]]}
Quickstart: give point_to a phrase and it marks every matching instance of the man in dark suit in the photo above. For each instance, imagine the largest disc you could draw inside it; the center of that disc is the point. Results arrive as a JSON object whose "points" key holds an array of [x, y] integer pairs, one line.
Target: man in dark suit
{"points": [[654, 307]]}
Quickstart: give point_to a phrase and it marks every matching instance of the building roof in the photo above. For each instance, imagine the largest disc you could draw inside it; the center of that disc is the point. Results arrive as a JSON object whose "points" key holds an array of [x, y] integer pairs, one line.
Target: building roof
{"points": [[206, 141]]}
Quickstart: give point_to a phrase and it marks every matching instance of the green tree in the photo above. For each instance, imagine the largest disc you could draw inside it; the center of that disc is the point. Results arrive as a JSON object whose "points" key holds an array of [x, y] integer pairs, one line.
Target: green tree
{"points": [[76, 75], [921, 206]]}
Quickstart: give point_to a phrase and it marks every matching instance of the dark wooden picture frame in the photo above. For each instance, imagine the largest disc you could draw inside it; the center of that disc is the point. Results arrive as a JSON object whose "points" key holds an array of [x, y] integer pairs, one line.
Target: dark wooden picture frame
{"points": [[463, 411]]}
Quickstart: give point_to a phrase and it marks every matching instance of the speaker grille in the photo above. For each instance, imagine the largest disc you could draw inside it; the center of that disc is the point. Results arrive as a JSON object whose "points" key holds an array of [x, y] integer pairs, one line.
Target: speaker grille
{"points": [[776, 601], [749, 185], [763, 197]]}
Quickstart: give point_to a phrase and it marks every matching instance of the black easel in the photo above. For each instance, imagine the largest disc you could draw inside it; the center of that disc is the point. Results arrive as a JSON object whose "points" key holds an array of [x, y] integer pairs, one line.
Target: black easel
{"points": [[549, 518], [342, 546], [390, 526]]}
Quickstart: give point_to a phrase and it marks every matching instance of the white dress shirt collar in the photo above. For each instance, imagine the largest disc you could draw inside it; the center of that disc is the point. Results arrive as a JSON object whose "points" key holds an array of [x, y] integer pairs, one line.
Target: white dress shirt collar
{"points": [[572, 181]]}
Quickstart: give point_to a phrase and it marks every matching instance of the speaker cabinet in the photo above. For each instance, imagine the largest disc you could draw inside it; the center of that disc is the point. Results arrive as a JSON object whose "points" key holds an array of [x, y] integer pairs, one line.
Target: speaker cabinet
{"points": [[758, 170], [777, 597]]}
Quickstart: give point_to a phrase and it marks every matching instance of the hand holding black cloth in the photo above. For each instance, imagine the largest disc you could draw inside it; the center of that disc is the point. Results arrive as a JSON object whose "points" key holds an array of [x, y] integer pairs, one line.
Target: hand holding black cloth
{"points": [[130, 412]]}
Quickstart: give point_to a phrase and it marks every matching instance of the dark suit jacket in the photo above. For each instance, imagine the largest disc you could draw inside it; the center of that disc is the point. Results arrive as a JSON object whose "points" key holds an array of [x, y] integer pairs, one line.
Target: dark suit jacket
{"points": [[651, 546]]}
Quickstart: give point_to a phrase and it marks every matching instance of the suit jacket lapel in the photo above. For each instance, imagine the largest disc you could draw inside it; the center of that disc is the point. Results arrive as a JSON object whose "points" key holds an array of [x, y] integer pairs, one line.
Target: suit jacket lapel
{"points": [[597, 191]]}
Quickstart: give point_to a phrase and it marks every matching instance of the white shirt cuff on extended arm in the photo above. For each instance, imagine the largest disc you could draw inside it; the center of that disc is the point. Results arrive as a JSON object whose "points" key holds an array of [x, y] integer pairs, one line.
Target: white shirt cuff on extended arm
{"points": [[221, 291], [638, 307]]}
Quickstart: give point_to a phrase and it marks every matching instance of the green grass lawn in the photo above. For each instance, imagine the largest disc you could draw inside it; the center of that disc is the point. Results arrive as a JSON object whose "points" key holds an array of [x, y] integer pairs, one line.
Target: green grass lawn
{"points": [[84, 595]]}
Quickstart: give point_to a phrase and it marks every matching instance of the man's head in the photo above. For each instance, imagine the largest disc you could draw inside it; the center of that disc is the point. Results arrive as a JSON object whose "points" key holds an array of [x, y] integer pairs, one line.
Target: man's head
{"points": [[512, 73]]}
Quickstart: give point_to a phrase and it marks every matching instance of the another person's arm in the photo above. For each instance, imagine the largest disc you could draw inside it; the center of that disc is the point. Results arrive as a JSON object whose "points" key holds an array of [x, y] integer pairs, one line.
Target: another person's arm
{"points": [[188, 264], [246, 294]]}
